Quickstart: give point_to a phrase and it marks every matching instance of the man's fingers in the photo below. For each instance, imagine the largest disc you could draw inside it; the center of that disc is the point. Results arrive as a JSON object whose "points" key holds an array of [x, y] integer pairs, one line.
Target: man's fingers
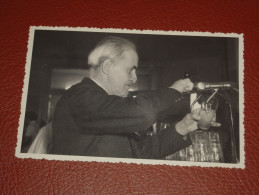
{"points": [[196, 114], [215, 124], [214, 118]]}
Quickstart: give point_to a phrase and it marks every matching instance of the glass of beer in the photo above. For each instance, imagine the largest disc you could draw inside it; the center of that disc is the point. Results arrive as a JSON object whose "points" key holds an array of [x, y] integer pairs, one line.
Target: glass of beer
{"points": [[208, 112]]}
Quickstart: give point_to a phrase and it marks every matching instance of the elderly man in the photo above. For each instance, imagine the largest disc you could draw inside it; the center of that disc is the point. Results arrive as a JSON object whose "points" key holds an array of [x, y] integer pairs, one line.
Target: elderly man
{"points": [[96, 118]]}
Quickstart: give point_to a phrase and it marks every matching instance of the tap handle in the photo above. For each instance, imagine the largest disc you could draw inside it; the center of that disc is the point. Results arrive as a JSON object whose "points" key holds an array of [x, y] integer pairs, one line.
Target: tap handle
{"points": [[187, 75]]}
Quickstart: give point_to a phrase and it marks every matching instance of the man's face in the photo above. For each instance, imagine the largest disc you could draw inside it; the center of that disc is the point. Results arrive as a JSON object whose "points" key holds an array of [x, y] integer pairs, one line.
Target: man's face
{"points": [[123, 73]]}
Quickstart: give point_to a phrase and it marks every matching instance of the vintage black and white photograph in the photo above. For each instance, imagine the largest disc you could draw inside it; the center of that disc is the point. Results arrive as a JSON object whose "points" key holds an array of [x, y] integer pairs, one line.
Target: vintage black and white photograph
{"points": [[131, 96]]}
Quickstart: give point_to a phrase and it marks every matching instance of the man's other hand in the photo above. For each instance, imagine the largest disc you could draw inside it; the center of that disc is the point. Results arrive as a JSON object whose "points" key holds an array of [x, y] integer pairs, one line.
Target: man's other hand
{"points": [[190, 122]]}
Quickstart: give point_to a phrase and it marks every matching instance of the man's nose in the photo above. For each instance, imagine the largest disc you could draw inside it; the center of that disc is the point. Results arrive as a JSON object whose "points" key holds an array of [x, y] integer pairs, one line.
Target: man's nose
{"points": [[134, 77]]}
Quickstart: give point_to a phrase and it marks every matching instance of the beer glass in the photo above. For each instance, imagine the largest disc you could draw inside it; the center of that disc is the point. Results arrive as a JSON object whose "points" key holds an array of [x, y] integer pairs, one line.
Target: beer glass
{"points": [[208, 112]]}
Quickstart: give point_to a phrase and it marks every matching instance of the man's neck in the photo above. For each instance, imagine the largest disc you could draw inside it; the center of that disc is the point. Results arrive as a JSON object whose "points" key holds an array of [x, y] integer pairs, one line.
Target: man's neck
{"points": [[99, 82]]}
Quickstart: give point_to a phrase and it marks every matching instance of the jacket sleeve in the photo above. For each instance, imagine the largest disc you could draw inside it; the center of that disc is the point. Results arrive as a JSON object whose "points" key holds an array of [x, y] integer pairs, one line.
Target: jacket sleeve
{"points": [[165, 142], [171, 141], [96, 112]]}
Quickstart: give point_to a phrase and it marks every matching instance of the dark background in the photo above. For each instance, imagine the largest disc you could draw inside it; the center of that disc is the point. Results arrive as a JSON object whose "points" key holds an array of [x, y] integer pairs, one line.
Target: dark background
{"points": [[21, 176]]}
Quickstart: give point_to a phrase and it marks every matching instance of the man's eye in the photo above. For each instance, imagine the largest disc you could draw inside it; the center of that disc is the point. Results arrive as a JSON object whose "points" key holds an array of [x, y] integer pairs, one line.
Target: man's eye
{"points": [[132, 70]]}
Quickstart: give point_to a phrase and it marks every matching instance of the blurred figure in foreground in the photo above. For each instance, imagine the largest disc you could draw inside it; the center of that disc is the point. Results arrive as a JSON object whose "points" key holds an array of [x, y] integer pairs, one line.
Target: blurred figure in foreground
{"points": [[30, 131]]}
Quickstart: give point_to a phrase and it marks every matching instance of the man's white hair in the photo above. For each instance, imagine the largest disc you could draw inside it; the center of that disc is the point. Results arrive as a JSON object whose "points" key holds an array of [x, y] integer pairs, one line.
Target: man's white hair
{"points": [[109, 48]]}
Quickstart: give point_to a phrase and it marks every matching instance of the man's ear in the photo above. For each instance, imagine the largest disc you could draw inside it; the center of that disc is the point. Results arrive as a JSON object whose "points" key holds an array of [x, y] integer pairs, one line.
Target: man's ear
{"points": [[106, 65]]}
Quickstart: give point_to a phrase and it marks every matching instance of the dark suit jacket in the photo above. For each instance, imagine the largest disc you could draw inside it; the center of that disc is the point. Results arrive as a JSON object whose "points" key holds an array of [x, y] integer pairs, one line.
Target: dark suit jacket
{"points": [[89, 122]]}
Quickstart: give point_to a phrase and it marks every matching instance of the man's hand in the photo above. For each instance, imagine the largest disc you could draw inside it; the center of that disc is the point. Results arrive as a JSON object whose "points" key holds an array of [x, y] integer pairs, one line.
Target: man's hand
{"points": [[190, 123], [182, 85]]}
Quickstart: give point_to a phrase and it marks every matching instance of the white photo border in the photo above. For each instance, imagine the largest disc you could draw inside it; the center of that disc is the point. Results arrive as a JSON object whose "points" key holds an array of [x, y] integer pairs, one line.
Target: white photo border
{"points": [[32, 29]]}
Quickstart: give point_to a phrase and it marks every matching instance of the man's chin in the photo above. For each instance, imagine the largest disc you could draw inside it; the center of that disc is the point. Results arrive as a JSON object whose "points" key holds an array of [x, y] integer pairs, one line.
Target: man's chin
{"points": [[121, 93], [125, 94]]}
